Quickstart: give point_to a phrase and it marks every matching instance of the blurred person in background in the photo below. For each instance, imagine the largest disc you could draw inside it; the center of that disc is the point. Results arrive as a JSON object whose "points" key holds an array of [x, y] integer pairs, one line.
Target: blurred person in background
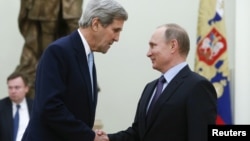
{"points": [[18, 87]]}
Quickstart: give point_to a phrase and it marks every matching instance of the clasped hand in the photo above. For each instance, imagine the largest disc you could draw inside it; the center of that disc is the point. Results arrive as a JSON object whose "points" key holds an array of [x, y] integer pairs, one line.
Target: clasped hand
{"points": [[100, 135]]}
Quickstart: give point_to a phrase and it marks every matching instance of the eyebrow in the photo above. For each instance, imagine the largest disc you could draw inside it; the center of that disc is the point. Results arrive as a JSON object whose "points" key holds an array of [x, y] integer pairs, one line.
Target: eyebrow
{"points": [[117, 29], [151, 43]]}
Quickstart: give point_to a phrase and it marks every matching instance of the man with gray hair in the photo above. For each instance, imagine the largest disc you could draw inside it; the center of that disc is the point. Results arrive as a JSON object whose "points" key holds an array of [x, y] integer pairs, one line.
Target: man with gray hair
{"points": [[66, 82]]}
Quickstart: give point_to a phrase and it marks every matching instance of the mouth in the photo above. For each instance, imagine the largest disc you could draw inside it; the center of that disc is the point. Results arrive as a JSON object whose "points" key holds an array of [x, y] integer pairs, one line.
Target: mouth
{"points": [[152, 59], [111, 42]]}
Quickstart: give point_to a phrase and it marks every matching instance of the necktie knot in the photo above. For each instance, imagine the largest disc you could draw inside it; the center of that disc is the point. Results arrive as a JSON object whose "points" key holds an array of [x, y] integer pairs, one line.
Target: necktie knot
{"points": [[18, 106], [162, 80]]}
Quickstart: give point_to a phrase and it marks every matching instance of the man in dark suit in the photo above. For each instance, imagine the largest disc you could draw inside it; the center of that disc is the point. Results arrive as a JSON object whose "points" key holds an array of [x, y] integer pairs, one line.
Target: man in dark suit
{"points": [[187, 104], [18, 87], [65, 91]]}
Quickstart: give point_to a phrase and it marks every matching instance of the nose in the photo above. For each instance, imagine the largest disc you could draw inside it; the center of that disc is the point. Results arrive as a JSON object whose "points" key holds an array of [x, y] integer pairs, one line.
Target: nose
{"points": [[149, 53], [116, 38]]}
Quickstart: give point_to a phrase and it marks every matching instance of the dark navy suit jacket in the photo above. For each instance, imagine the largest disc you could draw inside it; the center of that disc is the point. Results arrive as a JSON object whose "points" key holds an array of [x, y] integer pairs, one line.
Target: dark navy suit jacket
{"points": [[64, 106], [183, 111], [6, 118]]}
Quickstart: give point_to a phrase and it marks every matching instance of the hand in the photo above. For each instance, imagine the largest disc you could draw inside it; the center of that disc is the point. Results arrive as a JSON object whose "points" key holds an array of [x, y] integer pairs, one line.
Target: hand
{"points": [[101, 136]]}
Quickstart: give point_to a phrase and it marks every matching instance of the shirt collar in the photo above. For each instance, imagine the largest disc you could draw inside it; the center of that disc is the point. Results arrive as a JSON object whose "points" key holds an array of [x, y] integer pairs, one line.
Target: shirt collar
{"points": [[22, 103], [85, 43], [171, 73]]}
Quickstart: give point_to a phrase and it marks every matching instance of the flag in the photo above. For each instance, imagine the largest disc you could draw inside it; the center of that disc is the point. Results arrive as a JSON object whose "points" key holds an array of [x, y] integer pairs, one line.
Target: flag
{"points": [[211, 58]]}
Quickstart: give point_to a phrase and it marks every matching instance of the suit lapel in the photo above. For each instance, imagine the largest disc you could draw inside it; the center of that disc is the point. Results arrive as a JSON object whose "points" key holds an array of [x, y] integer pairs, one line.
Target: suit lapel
{"points": [[146, 97], [29, 104], [147, 93], [82, 63], [95, 84], [7, 114]]}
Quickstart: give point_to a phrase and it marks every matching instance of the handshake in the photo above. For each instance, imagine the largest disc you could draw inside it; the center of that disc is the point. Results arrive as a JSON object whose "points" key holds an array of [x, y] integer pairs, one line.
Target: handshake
{"points": [[100, 135]]}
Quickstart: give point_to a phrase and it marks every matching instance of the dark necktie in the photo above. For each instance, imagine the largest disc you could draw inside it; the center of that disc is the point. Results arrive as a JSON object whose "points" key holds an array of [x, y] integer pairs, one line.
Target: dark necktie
{"points": [[16, 121], [158, 92]]}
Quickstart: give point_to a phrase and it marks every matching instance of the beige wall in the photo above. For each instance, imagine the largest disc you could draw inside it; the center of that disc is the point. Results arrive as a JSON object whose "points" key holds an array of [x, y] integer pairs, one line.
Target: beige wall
{"points": [[125, 69]]}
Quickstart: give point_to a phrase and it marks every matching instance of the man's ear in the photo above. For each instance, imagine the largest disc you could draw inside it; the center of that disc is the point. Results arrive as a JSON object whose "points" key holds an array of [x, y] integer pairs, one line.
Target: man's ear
{"points": [[95, 24], [173, 44]]}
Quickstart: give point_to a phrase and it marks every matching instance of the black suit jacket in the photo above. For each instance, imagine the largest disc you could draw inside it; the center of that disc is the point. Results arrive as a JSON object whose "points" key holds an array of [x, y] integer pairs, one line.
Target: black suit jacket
{"points": [[183, 111], [64, 106], [6, 118]]}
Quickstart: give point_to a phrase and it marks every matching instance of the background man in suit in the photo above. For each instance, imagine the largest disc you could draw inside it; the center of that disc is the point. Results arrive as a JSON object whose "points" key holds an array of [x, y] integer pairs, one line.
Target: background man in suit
{"points": [[187, 104], [65, 91], [18, 87], [40, 23]]}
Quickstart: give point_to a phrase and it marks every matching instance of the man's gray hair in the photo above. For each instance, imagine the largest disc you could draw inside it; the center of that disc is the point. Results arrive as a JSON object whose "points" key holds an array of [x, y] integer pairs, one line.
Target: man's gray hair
{"points": [[105, 10]]}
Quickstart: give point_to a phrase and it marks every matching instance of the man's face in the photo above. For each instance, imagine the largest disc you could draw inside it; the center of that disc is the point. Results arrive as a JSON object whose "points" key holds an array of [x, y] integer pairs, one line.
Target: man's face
{"points": [[159, 50], [17, 89], [107, 35]]}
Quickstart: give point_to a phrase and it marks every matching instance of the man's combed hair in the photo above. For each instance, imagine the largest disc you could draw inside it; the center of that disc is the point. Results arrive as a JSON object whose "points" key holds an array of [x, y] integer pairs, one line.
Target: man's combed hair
{"points": [[174, 31], [19, 74], [105, 10]]}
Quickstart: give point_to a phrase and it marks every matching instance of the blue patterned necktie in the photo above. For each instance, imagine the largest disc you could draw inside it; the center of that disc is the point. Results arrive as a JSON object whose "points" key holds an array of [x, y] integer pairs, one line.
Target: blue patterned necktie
{"points": [[90, 63], [16, 121]]}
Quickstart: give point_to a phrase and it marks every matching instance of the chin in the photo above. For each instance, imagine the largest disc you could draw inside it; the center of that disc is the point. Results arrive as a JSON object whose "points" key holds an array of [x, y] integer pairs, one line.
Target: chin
{"points": [[153, 67], [104, 51]]}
